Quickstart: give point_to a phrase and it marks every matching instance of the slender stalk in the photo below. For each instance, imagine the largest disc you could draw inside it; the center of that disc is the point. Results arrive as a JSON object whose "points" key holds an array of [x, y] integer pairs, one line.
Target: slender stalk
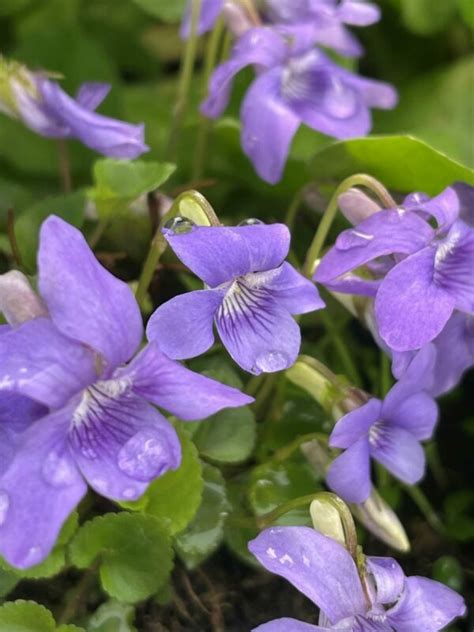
{"points": [[12, 237], [79, 594], [293, 209], [285, 453], [98, 232], [157, 248], [204, 129], [424, 505], [64, 165], [267, 384], [349, 365], [385, 376], [186, 73], [325, 224]]}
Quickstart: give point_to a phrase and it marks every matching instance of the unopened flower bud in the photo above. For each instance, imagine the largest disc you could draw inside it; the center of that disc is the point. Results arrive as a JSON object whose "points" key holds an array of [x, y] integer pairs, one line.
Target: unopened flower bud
{"points": [[236, 18], [379, 518], [327, 520], [356, 205], [18, 301]]}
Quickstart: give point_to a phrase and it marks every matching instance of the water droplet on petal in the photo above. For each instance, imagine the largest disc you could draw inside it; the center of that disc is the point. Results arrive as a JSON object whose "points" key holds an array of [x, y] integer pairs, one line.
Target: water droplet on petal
{"points": [[34, 556], [145, 456], [271, 361], [415, 199], [58, 470], [130, 493], [251, 221], [4, 505], [352, 239], [180, 225]]}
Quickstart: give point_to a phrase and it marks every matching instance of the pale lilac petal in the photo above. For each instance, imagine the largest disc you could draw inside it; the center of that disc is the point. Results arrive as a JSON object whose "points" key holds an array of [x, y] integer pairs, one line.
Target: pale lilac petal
{"points": [[465, 194], [400, 452], [426, 605], [358, 12], [293, 291], [37, 361], [183, 326], [38, 491], [316, 565], [210, 11], [91, 94], [350, 283], [454, 265], [260, 335], [443, 207], [355, 424], [317, 93], [268, 126], [120, 442], [417, 414], [339, 38], [85, 301], [417, 376], [455, 345], [108, 136], [178, 390], [356, 206], [389, 578], [17, 413], [349, 474], [263, 47], [375, 94], [35, 114], [288, 625], [219, 254], [410, 308], [384, 233]]}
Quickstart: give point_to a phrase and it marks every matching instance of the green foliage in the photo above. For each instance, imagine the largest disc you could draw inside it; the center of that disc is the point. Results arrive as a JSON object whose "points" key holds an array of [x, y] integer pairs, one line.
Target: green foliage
{"points": [[134, 553], [273, 484], [163, 9], [206, 531], [120, 182], [425, 16], [70, 206], [402, 163], [175, 496], [28, 616], [112, 616], [448, 570]]}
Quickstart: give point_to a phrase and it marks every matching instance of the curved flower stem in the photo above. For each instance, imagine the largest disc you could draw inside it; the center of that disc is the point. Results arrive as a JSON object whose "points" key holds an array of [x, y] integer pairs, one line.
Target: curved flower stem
{"points": [[190, 204], [64, 165], [293, 209], [350, 534], [205, 123], [360, 179], [424, 505], [187, 66], [285, 453]]}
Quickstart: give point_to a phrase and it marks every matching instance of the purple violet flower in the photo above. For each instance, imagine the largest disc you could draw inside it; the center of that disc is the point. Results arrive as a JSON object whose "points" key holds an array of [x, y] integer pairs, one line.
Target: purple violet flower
{"points": [[323, 570], [294, 85], [389, 431], [325, 20], [251, 294], [47, 110], [89, 416], [422, 275]]}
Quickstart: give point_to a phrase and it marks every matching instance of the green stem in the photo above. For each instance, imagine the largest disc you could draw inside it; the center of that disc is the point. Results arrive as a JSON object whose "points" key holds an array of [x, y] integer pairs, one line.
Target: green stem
{"points": [[385, 375], [267, 384], [98, 232], [349, 365], [157, 248], [205, 123], [79, 594], [325, 224], [284, 453], [293, 209], [184, 84], [424, 505]]}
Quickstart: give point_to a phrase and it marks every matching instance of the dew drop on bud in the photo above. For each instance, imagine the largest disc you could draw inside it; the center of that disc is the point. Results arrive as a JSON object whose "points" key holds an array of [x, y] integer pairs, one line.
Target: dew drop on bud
{"points": [[4, 505], [251, 221], [180, 225]]}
